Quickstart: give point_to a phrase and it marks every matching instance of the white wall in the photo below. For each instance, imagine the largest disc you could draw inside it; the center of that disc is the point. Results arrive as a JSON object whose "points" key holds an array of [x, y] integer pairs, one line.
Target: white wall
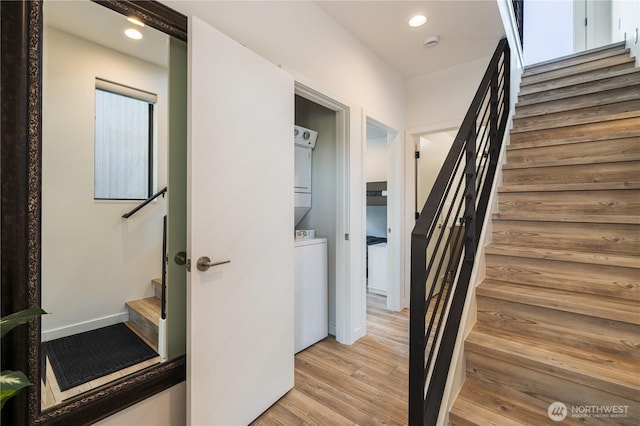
{"points": [[92, 259], [376, 160], [548, 30], [167, 408], [625, 21], [438, 99]]}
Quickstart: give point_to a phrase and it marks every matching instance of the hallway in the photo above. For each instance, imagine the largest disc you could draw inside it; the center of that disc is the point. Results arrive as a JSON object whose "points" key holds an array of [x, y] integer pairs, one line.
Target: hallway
{"points": [[363, 384]]}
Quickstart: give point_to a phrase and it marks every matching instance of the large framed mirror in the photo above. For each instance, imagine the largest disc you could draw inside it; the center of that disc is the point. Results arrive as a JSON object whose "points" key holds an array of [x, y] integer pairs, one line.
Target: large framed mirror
{"points": [[27, 248]]}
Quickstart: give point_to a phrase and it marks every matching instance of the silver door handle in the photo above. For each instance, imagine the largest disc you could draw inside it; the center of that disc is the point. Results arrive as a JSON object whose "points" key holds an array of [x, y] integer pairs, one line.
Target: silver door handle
{"points": [[204, 263]]}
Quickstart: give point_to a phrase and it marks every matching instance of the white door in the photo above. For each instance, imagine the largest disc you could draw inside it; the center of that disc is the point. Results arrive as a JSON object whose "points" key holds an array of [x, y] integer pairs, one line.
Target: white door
{"points": [[240, 208]]}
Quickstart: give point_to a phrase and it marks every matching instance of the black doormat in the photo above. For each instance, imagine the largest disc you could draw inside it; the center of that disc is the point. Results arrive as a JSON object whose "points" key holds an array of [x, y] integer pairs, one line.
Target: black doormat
{"points": [[86, 356]]}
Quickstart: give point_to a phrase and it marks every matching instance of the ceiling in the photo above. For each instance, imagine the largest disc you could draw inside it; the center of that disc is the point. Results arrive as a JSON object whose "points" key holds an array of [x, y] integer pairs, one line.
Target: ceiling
{"points": [[103, 26], [468, 30]]}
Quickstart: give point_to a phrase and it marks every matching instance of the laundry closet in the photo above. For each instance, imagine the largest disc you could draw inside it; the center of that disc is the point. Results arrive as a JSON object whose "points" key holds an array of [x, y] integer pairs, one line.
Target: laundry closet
{"points": [[314, 230]]}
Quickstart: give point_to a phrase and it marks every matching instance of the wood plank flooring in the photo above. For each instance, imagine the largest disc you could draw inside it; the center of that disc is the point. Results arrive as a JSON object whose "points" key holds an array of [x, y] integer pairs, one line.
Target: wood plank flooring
{"points": [[362, 384]]}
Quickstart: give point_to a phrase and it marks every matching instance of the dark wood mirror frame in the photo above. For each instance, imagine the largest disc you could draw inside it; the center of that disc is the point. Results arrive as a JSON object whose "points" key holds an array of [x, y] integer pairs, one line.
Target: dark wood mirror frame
{"points": [[20, 177]]}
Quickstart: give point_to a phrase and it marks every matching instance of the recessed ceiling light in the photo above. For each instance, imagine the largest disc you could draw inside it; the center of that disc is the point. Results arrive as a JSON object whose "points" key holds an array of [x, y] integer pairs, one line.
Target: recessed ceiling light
{"points": [[133, 33], [417, 20], [135, 21]]}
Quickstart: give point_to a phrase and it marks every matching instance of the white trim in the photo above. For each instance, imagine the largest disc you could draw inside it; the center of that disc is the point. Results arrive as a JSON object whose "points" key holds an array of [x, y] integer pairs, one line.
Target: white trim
{"points": [[128, 91], [512, 27], [81, 327]]}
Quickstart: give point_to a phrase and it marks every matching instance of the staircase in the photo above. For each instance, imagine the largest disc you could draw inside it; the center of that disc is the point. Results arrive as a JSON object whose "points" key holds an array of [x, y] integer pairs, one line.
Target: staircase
{"points": [[144, 315], [558, 314]]}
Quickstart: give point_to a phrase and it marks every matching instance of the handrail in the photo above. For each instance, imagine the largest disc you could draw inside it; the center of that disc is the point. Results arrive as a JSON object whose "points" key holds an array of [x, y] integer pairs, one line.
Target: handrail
{"points": [[145, 202], [449, 226], [163, 298]]}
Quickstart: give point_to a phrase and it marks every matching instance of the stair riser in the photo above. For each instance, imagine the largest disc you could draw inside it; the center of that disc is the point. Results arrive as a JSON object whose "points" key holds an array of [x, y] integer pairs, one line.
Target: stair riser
{"points": [[508, 377], [580, 101], [627, 79], [599, 237], [575, 75], [614, 202], [623, 173], [586, 153], [625, 109], [614, 129], [582, 332], [145, 327], [575, 59], [157, 288], [612, 309], [600, 280]]}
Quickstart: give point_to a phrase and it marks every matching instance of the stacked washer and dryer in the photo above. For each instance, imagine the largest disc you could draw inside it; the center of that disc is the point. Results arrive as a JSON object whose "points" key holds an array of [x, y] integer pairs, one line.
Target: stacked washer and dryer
{"points": [[311, 295]]}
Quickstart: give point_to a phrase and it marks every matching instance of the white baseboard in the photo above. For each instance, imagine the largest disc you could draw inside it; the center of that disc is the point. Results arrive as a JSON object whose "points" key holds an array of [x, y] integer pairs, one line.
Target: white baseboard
{"points": [[81, 327]]}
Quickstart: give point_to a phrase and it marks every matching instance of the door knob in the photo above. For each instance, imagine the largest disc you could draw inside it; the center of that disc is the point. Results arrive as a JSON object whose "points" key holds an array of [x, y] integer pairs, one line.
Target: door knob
{"points": [[204, 263]]}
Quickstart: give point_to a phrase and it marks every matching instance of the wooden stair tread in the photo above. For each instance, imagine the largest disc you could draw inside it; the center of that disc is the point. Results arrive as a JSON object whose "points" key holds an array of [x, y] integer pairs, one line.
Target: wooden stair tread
{"points": [[585, 53], [546, 217], [149, 308], [556, 187], [611, 281], [581, 71], [624, 157], [590, 202], [594, 114], [600, 371], [496, 405], [580, 101], [617, 309], [575, 256], [468, 411], [602, 237], [619, 78], [572, 133], [612, 338], [576, 60]]}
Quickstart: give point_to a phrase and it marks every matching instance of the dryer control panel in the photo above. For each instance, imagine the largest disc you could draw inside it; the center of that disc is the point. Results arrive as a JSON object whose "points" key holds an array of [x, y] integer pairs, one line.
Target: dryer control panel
{"points": [[304, 137]]}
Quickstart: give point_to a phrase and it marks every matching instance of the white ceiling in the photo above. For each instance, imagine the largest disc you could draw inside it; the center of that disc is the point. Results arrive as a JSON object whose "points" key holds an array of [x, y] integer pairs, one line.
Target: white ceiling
{"points": [[103, 26], [468, 30]]}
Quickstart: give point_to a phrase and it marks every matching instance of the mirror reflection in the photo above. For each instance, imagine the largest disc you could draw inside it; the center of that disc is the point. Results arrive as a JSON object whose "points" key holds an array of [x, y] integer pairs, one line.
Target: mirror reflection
{"points": [[104, 152]]}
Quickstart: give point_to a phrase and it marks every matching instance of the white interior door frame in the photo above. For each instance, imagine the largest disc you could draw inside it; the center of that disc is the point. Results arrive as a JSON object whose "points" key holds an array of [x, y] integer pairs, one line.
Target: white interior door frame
{"points": [[395, 216], [346, 299]]}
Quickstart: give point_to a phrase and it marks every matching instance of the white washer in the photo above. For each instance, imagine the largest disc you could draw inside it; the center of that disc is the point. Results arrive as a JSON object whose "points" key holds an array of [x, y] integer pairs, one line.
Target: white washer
{"points": [[311, 296]]}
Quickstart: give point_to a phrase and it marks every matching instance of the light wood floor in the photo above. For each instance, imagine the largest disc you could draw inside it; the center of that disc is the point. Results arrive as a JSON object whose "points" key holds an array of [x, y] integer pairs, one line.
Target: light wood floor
{"points": [[362, 384]]}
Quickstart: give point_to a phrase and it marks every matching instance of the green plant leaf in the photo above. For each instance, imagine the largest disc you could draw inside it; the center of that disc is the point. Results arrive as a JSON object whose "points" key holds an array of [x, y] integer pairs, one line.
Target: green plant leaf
{"points": [[11, 382], [7, 323]]}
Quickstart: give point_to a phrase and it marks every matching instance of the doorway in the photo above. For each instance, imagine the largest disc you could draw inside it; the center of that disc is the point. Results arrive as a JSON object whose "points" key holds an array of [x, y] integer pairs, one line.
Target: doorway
{"points": [[383, 182], [431, 151], [329, 202]]}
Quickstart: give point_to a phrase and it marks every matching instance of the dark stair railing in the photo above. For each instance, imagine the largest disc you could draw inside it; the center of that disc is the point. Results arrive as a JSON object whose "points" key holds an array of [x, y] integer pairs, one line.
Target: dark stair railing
{"points": [[445, 239], [165, 259], [518, 11], [145, 202]]}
